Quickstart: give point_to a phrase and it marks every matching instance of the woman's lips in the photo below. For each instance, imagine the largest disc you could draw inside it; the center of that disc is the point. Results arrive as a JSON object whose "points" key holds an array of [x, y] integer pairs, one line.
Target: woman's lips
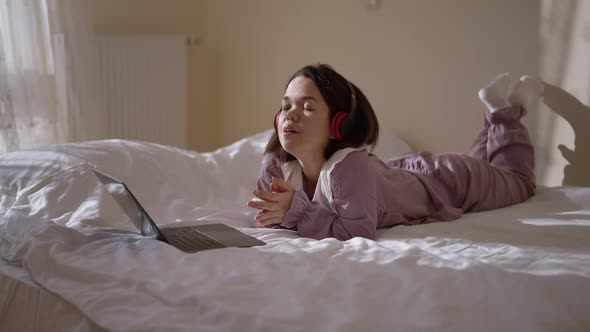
{"points": [[289, 131]]}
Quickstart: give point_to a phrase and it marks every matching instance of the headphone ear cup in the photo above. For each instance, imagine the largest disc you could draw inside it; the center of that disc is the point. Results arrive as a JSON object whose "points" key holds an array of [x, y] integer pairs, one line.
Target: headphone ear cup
{"points": [[347, 127], [342, 124], [336, 125]]}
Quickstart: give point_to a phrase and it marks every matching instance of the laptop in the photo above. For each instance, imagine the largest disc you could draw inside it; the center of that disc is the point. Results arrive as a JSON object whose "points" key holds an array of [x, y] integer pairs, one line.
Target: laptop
{"points": [[188, 238]]}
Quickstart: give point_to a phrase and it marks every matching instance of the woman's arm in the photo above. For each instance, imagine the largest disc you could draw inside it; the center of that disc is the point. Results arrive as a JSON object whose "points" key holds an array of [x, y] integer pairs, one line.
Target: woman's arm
{"points": [[270, 212], [355, 207], [271, 166]]}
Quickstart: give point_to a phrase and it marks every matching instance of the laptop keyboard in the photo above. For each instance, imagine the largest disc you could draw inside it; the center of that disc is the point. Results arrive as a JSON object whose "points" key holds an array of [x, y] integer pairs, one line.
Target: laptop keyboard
{"points": [[189, 240]]}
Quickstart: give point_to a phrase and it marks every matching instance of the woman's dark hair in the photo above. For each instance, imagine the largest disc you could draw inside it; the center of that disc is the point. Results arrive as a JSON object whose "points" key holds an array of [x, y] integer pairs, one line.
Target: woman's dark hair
{"points": [[336, 92]]}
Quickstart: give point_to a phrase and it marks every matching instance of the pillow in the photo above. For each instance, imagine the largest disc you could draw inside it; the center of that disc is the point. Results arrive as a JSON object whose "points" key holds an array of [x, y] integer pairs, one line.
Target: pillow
{"points": [[21, 169], [390, 146], [56, 182]]}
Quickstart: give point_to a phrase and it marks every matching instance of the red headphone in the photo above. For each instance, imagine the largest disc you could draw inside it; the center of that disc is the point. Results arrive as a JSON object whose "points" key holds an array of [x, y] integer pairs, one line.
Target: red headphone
{"points": [[342, 123]]}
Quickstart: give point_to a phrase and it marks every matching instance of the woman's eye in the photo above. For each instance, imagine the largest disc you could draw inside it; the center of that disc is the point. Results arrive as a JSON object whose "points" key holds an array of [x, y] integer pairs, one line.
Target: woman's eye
{"points": [[306, 108], [285, 108]]}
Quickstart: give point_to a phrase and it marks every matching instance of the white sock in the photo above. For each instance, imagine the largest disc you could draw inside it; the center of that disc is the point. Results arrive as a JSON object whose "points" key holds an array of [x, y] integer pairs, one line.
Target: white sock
{"points": [[527, 91], [495, 94]]}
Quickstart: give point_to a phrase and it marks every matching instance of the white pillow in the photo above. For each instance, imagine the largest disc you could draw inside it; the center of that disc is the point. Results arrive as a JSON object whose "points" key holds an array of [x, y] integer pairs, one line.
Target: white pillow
{"points": [[390, 146]]}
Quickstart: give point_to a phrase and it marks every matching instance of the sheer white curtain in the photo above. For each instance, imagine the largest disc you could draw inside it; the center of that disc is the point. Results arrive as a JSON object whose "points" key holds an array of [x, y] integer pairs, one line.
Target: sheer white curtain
{"points": [[49, 78]]}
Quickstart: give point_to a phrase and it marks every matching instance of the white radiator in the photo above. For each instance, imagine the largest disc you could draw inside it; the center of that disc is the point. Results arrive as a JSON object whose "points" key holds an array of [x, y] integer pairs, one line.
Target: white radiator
{"points": [[144, 78]]}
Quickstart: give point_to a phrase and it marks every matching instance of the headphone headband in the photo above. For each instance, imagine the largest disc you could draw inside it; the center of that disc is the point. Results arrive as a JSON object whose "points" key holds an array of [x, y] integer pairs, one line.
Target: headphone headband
{"points": [[352, 98]]}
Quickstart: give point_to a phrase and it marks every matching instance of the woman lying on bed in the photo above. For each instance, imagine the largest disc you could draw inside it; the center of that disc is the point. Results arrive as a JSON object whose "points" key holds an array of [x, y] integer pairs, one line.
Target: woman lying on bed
{"points": [[319, 178]]}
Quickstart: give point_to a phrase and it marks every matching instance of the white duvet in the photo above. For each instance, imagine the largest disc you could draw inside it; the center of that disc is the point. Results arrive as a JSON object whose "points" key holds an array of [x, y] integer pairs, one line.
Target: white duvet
{"points": [[523, 268]]}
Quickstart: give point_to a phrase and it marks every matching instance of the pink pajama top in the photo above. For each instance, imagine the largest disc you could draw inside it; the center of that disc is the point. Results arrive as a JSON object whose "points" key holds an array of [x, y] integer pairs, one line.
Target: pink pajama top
{"points": [[357, 193]]}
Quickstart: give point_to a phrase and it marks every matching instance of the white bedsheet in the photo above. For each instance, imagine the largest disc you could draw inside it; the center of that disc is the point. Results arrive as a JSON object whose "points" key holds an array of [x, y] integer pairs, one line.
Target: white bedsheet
{"points": [[522, 268]]}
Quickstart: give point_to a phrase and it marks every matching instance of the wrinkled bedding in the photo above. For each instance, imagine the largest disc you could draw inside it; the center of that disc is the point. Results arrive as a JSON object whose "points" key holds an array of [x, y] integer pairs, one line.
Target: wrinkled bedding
{"points": [[524, 268]]}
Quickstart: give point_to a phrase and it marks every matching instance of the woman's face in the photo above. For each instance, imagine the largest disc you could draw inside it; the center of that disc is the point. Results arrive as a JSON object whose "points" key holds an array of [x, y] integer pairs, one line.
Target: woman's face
{"points": [[304, 122]]}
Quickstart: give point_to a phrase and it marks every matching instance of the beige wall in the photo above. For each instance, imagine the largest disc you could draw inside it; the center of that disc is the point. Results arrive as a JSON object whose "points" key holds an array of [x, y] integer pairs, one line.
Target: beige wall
{"points": [[420, 62]]}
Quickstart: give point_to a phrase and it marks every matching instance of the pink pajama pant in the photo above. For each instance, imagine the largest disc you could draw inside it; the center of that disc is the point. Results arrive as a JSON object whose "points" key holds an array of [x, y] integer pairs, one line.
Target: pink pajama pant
{"points": [[498, 171]]}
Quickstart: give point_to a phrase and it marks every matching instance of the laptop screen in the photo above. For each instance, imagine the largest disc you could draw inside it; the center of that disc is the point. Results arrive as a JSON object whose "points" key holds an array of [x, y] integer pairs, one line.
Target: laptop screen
{"points": [[130, 205]]}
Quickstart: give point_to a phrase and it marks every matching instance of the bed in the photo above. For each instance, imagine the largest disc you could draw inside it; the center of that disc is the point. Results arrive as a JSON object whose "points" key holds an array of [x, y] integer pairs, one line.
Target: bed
{"points": [[71, 260]]}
